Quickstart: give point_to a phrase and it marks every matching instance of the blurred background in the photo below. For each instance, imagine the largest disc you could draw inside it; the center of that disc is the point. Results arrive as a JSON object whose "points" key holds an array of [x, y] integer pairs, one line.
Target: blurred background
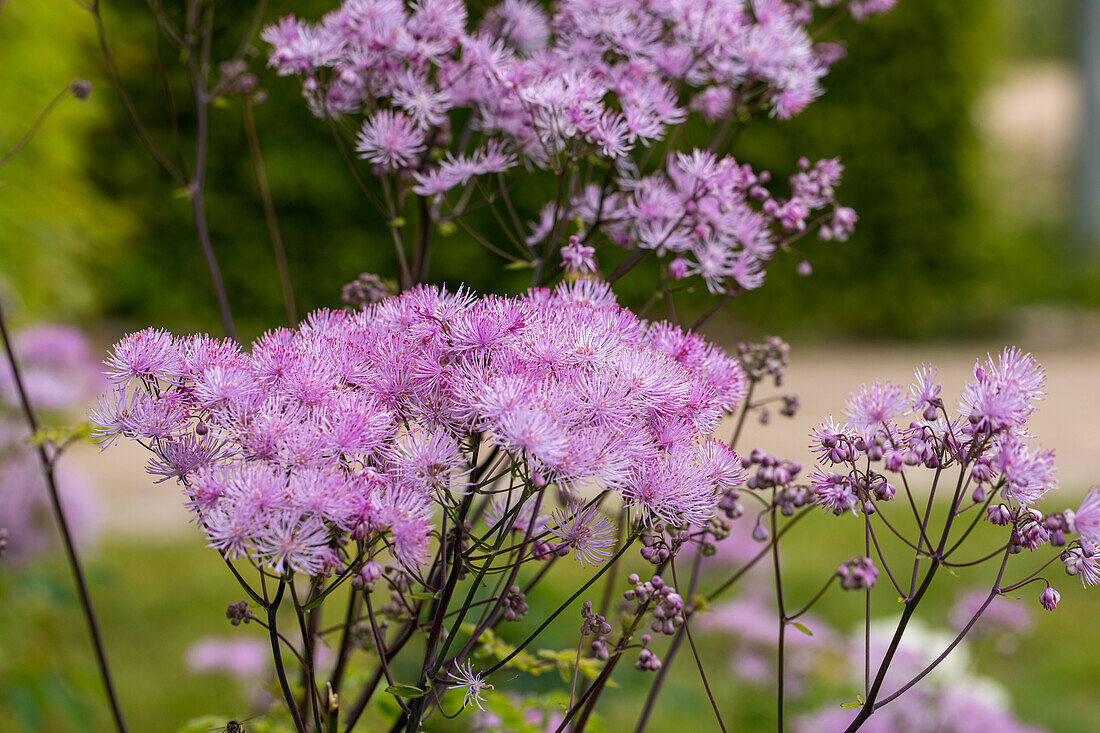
{"points": [[970, 133]]}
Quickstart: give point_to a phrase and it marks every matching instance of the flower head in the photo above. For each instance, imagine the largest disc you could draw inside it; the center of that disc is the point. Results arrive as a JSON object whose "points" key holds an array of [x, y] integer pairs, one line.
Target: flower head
{"points": [[586, 531], [464, 676]]}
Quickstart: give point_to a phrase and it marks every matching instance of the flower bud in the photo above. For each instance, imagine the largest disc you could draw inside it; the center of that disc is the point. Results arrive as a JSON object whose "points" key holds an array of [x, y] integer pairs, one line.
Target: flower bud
{"points": [[1049, 598]]}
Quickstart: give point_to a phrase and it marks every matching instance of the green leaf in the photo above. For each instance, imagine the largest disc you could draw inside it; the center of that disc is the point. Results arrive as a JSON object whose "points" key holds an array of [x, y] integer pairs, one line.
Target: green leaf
{"points": [[858, 703], [61, 435], [423, 596], [520, 265], [408, 691], [802, 628], [397, 222]]}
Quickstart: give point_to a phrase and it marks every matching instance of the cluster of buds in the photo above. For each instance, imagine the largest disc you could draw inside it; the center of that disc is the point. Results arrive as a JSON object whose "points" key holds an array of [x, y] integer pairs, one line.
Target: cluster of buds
{"points": [[514, 604], [771, 471], [730, 503], [789, 498], [1030, 531], [3, 540], [1058, 525], [238, 613], [668, 606], [921, 447], [658, 548], [237, 80], [595, 624], [366, 289], [647, 660], [366, 577], [858, 573], [766, 359]]}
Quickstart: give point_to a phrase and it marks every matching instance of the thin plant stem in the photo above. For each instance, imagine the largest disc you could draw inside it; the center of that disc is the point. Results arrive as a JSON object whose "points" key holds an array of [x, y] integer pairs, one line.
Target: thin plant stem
{"points": [[46, 463], [195, 186], [360, 704], [673, 648], [307, 651], [965, 630], [698, 661], [782, 623], [280, 671], [336, 679], [128, 104], [269, 211], [745, 407], [758, 557], [33, 129], [549, 619]]}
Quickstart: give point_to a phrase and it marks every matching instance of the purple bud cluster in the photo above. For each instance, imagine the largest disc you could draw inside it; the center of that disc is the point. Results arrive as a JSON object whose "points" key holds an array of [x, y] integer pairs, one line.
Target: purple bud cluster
{"points": [[647, 660], [238, 613], [596, 625], [769, 358], [857, 574], [667, 605], [367, 576], [658, 547], [356, 423], [771, 472], [514, 604], [368, 288]]}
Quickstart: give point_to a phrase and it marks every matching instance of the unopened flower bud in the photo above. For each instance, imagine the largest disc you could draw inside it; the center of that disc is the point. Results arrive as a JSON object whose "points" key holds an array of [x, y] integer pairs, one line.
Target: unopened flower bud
{"points": [[238, 613], [857, 574], [1049, 598], [81, 88], [999, 515]]}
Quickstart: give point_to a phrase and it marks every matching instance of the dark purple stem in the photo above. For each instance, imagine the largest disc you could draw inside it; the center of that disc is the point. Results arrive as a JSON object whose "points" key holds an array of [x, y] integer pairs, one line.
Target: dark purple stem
{"points": [[47, 465]]}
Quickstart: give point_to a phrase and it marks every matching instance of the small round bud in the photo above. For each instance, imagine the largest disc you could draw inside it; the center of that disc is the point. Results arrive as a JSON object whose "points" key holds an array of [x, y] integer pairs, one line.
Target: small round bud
{"points": [[81, 88], [1049, 598]]}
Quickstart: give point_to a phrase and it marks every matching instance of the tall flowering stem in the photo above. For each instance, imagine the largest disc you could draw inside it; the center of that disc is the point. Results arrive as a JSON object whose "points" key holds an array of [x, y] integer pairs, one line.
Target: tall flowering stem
{"points": [[47, 461]]}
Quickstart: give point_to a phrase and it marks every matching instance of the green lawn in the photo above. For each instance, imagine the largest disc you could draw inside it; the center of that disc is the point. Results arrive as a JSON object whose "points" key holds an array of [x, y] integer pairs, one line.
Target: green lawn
{"points": [[156, 598]]}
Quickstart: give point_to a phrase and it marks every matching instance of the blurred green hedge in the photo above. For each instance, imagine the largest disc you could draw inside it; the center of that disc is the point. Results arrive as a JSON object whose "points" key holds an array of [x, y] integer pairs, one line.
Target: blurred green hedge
{"points": [[896, 111]]}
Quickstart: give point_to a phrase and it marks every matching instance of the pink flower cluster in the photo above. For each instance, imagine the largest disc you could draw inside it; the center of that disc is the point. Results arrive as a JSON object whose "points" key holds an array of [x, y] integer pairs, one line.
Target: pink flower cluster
{"points": [[712, 217], [445, 102], [542, 79], [989, 432], [356, 424]]}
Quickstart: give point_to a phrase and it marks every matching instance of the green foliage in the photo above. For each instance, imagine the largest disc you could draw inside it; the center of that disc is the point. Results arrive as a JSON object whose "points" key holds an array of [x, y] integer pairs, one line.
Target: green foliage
{"points": [[897, 112], [58, 229]]}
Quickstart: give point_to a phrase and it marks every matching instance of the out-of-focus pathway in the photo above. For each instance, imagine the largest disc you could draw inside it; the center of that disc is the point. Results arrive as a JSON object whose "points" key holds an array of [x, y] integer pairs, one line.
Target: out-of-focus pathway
{"points": [[1068, 421]]}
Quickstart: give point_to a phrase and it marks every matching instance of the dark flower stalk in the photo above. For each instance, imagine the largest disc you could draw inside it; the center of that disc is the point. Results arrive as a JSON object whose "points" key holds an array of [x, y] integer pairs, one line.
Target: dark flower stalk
{"points": [[47, 463]]}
